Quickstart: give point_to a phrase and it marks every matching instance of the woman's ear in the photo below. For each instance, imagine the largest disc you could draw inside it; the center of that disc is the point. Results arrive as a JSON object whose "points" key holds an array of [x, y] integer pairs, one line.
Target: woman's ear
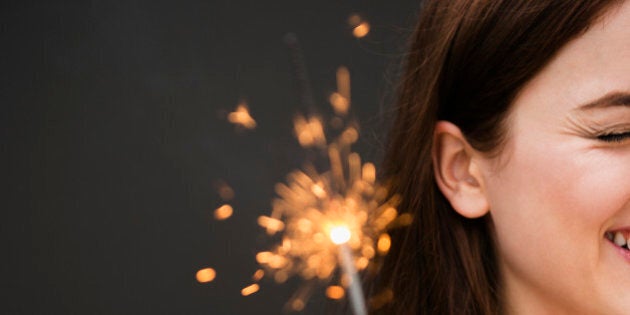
{"points": [[456, 171]]}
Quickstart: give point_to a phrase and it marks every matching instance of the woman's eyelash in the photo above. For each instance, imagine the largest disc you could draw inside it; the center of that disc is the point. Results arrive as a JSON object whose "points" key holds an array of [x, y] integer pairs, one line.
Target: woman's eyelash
{"points": [[614, 137]]}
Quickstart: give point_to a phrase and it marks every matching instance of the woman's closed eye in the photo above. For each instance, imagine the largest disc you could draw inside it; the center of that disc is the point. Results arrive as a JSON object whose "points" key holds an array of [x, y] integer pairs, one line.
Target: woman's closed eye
{"points": [[614, 137]]}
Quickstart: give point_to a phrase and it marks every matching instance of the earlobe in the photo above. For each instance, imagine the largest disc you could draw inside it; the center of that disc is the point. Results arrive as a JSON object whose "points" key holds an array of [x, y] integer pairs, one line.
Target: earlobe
{"points": [[456, 172]]}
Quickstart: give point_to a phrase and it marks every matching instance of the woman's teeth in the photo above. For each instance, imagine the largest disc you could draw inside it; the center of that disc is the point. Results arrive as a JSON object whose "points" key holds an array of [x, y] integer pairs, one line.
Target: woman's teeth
{"points": [[618, 239]]}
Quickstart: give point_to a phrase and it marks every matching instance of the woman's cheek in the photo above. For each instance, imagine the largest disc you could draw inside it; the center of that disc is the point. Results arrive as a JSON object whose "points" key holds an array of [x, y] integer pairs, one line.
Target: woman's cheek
{"points": [[543, 194], [601, 189]]}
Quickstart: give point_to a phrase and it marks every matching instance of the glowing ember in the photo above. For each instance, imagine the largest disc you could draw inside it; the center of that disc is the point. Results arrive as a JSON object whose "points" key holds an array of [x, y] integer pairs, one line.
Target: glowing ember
{"points": [[309, 132], [361, 30], [383, 244], [272, 225], [258, 275], [340, 100], [362, 263], [369, 173], [360, 27], [264, 257], [335, 292], [223, 212], [250, 289], [343, 81], [242, 117], [339, 103], [206, 275], [297, 305]]}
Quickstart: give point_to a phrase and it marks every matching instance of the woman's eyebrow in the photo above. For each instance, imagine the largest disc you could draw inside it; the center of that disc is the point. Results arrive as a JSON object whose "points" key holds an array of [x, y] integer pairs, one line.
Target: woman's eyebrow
{"points": [[615, 98]]}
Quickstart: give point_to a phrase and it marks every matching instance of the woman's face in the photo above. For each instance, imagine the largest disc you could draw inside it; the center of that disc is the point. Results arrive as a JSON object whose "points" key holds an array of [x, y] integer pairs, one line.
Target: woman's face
{"points": [[561, 187]]}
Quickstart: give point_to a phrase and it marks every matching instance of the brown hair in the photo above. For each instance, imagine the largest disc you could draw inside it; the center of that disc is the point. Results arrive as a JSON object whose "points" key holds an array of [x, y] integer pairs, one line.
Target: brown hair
{"points": [[468, 60]]}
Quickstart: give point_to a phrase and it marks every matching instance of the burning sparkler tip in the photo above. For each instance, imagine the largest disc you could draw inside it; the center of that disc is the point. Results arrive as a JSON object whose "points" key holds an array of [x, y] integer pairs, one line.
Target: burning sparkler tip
{"points": [[340, 235]]}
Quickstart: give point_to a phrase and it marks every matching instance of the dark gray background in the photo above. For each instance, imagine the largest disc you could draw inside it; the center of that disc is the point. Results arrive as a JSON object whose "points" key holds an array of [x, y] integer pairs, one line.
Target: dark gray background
{"points": [[114, 135]]}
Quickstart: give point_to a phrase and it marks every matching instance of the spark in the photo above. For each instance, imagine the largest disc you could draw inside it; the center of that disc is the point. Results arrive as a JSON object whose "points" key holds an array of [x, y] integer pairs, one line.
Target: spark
{"points": [[206, 275], [360, 27], [309, 132], [361, 30], [297, 305], [343, 81], [383, 244], [339, 103], [250, 289], [340, 100], [259, 274], [272, 225], [335, 292], [362, 263], [223, 212], [242, 117]]}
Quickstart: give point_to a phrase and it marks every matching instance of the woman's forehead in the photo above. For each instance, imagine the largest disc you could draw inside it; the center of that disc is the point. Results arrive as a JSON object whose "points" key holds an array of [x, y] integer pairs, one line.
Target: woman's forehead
{"points": [[593, 67]]}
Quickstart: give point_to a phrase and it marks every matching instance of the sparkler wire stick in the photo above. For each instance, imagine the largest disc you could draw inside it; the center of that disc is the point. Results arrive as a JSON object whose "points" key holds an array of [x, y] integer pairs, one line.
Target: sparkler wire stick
{"points": [[356, 293]]}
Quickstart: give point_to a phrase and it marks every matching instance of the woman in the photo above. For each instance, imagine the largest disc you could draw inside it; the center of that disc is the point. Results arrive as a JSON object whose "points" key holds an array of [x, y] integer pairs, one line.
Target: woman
{"points": [[512, 150]]}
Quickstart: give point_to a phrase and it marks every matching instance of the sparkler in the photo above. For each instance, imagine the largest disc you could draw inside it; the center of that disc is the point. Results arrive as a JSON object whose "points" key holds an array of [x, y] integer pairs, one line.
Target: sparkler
{"points": [[332, 223]]}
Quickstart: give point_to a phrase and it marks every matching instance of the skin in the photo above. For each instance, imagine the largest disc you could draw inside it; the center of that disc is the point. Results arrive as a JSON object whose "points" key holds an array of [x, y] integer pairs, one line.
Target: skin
{"points": [[557, 186]]}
